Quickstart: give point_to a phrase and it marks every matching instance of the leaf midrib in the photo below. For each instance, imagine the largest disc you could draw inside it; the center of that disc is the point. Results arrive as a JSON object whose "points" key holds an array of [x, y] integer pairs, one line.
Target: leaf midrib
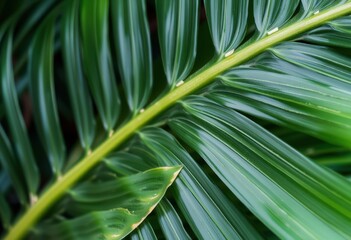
{"points": [[193, 83]]}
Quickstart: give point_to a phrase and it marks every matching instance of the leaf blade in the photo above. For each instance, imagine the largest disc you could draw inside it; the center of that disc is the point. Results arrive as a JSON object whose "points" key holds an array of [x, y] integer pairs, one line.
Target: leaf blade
{"points": [[41, 87], [11, 165], [227, 20], [302, 87], [5, 213], [170, 222], [272, 14], [15, 120], [177, 21], [133, 198], [144, 231], [133, 50], [97, 61], [80, 100], [336, 33]]}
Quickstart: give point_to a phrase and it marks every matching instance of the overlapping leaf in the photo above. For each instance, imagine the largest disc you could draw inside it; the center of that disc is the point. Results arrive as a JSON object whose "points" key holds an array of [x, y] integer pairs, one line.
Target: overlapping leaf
{"points": [[144, 232], [109, 224], [11, 165], [312, 6], [272, 14], [76, 84], [97, 61], [170, 222], [336, 33], [43, 92], [300, 86], [111, 209], [126, 163], [5, 213], [133, 47], [205, 207], [177, 29], [14, 118], [292, 195], [227, 21]]}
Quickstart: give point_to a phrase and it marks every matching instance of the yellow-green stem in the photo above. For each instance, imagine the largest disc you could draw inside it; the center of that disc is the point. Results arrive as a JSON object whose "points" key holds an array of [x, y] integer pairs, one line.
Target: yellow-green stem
{"points": [[206, 76]]}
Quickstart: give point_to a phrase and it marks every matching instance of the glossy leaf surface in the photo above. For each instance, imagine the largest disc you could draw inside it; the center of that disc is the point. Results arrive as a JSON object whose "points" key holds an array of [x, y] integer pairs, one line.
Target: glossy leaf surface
{"points": [[114, 208], [44, 100], [283, 64], [303, 87], [140, 191], [227, 21], [144, 232], [97, 61], [170, 222], [15, 120], [133, 50], [336, 33], [177, 21], [76, 82], [208, 211], [126, 163], [272, 14], [312, 6], [280, 186]]}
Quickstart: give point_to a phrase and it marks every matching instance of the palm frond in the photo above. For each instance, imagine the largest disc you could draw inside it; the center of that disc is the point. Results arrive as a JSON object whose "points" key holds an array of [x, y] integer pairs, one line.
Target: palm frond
{"points": [[262, 131]]}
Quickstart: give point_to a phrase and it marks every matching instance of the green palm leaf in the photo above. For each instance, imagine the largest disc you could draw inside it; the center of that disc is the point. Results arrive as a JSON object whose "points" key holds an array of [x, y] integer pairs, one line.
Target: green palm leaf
{"points": [[227, 22], [76, 84], [111, 209], [170, 222], [262, 130], [133, 48], [145, 231], [15, 120], [270, 15], [177, 22], [5, 214], [42, 87], [336, 33], [97, 60], [11, 165], [197, 197], [307, 94], [257, 168]]}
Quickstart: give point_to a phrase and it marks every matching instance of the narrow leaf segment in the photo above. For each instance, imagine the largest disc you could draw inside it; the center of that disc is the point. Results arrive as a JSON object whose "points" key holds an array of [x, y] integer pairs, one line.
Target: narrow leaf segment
{"points": [[41, 85], [133, 50]]}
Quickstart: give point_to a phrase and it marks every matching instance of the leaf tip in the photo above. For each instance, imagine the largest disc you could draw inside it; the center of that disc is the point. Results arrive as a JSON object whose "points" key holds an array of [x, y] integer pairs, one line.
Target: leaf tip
{"points": [[176, 172]]}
